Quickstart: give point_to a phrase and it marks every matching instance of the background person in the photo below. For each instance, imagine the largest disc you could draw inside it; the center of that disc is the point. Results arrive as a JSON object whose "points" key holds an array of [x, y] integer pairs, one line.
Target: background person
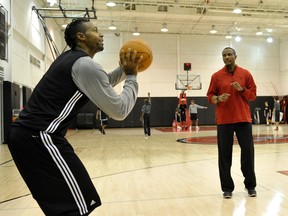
{"points": [[145, 116], [267, 113], [177, 118], [230, 89], [103, 120], [183, 108], [193, 113], [276, 112], [45, 159]]}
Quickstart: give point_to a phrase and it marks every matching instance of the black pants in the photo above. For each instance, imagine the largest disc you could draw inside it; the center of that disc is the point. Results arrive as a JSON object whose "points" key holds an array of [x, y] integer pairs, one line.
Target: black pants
{"points": [[277, 116], [146, 124], [52, 171], [225, 137]]}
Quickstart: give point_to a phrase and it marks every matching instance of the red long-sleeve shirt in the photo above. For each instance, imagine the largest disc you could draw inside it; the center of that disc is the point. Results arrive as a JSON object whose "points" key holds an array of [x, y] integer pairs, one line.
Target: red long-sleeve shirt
{"points": [[236, 109]]}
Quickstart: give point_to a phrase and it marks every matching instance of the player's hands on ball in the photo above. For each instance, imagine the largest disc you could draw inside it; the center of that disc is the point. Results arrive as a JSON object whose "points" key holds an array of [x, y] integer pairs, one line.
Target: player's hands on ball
{"points": [[129, 63]]}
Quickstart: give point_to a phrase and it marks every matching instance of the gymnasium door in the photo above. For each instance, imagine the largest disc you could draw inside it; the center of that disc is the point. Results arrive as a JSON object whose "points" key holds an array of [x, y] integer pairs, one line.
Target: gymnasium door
{"points": [[1, 112]]}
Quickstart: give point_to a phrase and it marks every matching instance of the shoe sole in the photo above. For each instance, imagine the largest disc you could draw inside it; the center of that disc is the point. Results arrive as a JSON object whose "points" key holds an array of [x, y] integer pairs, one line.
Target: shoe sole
{"points": [[228, 196], [251, 195]]}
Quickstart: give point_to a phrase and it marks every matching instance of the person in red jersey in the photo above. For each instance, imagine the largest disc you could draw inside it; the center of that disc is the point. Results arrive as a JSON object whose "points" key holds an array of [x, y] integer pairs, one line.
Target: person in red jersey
{"points": [[231, 88]]}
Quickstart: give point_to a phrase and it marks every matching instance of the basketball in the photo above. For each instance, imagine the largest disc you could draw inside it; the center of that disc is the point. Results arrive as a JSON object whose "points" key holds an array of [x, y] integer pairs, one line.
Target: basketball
{"points": [[143, 49]]}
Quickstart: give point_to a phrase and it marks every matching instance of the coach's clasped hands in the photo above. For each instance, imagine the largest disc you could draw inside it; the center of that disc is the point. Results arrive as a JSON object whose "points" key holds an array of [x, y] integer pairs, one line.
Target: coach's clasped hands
{"points": [[129, 63], [223, 97], [237, 86]]}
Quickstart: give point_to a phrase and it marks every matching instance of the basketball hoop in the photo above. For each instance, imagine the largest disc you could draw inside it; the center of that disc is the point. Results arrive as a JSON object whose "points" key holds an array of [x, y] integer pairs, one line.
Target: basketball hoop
{"points": [[188, 87], [188, 82]]}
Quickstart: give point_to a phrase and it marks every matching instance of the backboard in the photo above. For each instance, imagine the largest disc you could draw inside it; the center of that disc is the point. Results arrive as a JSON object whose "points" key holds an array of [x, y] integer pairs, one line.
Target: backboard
{"points": [[188, 82]]}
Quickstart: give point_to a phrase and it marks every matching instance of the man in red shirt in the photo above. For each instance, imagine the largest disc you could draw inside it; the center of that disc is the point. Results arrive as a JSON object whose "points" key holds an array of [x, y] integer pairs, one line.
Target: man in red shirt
{"points": [[230, 89]]}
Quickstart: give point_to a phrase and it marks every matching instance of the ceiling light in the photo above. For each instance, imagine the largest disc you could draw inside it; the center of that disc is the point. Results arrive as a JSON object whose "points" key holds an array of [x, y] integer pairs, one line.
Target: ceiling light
{"points": [[238, 38], [269, 30], [269, 39], [213, 30], [237, 9], [136, 33], [228, 36], [164, 28], [51, 2], [237, 28], [112, 27], [259, 32], [110, 4]]}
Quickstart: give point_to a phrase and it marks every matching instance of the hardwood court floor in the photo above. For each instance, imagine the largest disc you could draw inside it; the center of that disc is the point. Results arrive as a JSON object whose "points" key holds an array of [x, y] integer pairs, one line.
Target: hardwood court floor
{"points": [[159, 176]]}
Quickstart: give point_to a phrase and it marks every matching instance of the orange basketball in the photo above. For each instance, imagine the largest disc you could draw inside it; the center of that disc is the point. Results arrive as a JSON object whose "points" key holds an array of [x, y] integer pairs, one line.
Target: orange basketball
{"points": [[143, 49]]}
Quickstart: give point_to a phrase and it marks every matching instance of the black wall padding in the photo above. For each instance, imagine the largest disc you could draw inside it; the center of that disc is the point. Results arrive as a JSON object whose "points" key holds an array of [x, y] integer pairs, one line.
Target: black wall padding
{"points": [[11, 99], [163, 109], [85, 120], [26, 94]]}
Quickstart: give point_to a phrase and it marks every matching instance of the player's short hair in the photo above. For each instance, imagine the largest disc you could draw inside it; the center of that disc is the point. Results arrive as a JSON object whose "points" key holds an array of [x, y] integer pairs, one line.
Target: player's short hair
{"points": [[231, 49], [72, 29]]}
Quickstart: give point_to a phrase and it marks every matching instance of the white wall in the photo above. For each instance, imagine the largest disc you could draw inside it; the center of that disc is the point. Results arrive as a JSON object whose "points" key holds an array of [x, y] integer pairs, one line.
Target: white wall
{"points": [[3, 63], [263, 60], [283, 67], [204, 52], [28, 39]]}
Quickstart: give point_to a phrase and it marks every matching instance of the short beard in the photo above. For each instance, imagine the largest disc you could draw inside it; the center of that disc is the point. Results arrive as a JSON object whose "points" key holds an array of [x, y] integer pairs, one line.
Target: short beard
{"points": [[100, 49], [230, 68]]}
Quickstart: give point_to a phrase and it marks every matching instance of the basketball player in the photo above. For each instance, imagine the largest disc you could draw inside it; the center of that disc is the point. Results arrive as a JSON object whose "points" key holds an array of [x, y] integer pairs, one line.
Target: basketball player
{"points": [[193, 113], [145, 115], [183, 108], [54, 174], [103, 120]]}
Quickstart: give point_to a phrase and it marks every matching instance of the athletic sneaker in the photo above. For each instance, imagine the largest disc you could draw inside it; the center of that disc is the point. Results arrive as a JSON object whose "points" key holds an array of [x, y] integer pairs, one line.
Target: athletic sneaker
{"points": [[227, 194], [101, 129], [251, 193]]}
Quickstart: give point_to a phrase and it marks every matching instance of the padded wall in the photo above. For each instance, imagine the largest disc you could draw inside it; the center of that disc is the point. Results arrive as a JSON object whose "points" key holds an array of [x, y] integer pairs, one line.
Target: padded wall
{"points": [[11, 98], [163, 109]]}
